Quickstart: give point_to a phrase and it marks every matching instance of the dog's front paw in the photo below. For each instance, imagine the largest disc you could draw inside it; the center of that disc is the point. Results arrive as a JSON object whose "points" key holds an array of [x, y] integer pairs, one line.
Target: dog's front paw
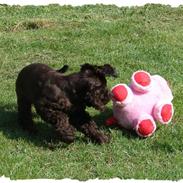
{"points": [[67, 135], [68, 139], [102, 139]]}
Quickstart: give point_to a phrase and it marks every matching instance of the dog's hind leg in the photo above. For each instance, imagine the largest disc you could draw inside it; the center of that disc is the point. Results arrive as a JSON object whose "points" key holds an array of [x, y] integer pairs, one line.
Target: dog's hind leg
{"points": [[25, 115], [58, 119]]}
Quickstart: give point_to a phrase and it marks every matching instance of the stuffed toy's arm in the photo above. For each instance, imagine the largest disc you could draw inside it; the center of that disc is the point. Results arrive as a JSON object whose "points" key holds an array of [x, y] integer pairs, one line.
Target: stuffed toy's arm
{"points": [[121, 95]]}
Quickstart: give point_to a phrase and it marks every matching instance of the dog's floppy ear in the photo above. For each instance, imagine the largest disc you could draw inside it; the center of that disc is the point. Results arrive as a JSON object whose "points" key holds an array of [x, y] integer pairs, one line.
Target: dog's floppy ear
{"points": [[107, 70], [63, 69], [87, 68]]}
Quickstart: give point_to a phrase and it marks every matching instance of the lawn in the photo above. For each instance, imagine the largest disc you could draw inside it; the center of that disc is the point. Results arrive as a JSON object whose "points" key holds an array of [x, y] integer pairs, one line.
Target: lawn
{"points": [[148, 37]]}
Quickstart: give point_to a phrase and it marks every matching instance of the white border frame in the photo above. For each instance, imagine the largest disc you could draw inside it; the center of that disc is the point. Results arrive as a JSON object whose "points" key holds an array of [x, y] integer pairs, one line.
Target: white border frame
{"points": [[120, 3], [173, 3]]}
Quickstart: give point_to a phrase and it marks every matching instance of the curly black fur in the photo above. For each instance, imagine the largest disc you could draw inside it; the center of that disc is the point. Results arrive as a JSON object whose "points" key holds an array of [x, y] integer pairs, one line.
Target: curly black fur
{"points": [[61, 99]]}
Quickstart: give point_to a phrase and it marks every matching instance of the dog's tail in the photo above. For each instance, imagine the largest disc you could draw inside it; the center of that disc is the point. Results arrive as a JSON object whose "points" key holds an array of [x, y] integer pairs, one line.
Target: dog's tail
{"points": [[63, 69]]}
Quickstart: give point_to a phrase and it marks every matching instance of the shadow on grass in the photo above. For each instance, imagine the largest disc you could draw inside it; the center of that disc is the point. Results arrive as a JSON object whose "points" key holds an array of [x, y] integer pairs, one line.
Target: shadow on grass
{"points": [[45, 137]]}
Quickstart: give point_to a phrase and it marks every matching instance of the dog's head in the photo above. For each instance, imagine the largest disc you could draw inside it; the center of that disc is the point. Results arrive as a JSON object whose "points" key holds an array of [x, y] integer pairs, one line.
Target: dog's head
{"points": [[94, 79]]}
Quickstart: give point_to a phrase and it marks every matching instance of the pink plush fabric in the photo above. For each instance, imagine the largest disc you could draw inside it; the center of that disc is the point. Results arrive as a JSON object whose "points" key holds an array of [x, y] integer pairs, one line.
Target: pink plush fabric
{"points": [[147, 99]]}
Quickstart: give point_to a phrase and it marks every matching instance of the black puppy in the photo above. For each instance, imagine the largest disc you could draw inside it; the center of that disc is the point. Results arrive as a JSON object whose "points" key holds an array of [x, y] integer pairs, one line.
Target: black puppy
{"points": [[62, 99]]}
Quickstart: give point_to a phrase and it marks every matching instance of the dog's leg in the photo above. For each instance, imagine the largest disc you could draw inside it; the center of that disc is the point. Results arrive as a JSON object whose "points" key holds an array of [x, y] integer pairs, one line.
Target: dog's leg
{"points": [[64, 128], [25, 115], [59, 120], [86, 125], [91, 130]]}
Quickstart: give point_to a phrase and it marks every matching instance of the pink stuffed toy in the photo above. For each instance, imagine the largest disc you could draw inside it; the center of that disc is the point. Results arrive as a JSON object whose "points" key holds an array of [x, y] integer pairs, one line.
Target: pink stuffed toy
{"points": [[137, 106]]}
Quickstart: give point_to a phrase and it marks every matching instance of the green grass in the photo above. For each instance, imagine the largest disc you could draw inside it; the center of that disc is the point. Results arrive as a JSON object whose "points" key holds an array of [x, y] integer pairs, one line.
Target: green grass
{"points": [[148, 37]]}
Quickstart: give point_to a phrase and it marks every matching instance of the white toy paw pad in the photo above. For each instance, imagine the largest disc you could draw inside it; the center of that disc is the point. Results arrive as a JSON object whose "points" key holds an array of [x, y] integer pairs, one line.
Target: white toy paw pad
{"points": [[146, 128], [119, 92]]}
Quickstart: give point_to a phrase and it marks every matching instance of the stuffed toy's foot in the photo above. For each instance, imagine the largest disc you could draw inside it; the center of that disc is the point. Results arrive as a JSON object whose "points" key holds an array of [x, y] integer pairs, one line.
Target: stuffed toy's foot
{"points": [[145, 126], [121, 94], [141, 81], [163, 112], [111, 121]]}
